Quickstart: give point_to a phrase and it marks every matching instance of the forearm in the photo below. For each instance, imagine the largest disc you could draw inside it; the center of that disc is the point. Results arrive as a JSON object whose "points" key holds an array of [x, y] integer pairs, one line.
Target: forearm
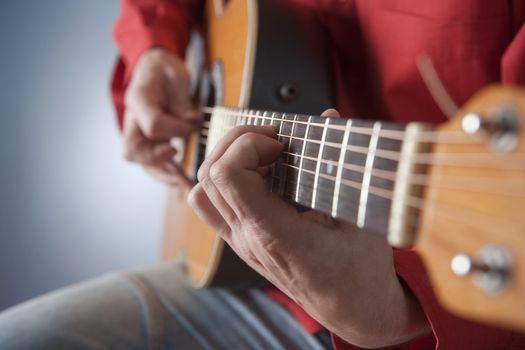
{"points": [[389, 315]]}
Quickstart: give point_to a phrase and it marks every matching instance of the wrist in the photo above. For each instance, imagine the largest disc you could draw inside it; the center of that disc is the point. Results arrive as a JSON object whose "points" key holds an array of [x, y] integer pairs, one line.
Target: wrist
{"points": [[396, 319]]}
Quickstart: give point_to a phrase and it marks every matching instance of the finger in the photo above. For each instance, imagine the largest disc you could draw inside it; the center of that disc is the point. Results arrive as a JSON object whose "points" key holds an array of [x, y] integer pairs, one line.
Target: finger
{"points": [[218, 202], [154, 123], [331, 112], [227, 140], [179, 98], [206, 181], [138, 149], [173, 168], [204, 208], [237, 178], [160, 174]]}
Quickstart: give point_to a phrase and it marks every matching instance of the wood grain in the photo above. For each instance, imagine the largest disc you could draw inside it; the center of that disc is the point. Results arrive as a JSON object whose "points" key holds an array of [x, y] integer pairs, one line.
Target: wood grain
{"points": [[229, 39], [459, 220]]}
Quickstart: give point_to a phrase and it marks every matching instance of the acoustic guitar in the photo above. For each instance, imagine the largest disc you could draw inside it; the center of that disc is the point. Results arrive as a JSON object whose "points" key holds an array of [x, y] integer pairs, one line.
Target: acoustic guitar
{"points": [[453, 192]]}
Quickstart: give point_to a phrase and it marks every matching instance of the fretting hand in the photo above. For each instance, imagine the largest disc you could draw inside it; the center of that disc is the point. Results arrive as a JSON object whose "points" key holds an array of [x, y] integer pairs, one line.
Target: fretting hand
{"points": [[341, 276]]}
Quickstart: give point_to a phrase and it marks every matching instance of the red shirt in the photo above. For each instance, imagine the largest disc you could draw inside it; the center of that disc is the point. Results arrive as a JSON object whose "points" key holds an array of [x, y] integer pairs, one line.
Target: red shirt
{"points": [[375, 46]]}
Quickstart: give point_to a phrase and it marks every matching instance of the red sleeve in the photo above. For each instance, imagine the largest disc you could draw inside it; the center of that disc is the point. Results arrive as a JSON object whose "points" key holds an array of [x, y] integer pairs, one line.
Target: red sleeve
{"points": [[512, 62], [449, 331], [144, 24]]}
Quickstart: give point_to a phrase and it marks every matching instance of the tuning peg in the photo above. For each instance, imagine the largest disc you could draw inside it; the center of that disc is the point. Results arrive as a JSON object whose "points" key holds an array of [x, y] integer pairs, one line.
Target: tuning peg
{"points": [[491, 269], [502, 126]]}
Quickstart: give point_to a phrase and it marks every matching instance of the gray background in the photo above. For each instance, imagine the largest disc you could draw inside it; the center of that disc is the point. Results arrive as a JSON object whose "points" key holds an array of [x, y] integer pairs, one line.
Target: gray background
{"points": [[70, 207]]}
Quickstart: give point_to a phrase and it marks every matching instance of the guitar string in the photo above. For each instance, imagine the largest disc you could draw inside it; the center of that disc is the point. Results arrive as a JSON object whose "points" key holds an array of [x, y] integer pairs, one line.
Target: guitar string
{"points": [[356, 183], [513, 161], [425, 136], [413, 220], [484, 185], [511, 187], [420, 203], [453, 137]]}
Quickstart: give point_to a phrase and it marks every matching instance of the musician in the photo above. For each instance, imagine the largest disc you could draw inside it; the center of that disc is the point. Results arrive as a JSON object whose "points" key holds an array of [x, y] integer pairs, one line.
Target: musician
{"points": [[327, 275]]}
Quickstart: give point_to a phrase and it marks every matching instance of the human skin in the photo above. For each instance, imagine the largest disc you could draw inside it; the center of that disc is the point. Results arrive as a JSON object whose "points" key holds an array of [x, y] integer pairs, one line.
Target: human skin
{"points": [[341, 276], [158, 108]]}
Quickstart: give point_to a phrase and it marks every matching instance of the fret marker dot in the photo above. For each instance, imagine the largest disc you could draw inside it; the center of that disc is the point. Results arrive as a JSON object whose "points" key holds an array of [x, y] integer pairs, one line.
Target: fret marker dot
{"points": [[330, 168]]}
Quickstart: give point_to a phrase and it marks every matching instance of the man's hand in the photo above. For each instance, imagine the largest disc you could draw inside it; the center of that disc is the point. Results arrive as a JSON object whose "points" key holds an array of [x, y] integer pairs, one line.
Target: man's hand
{"points": [[158, 108], [341, 276]]}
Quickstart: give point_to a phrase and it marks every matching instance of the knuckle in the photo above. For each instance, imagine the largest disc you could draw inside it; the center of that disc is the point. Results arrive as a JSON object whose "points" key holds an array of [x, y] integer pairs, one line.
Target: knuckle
{"points": [[262, 235], [152, 128], [224, 232], [242, 247], [195, 197], [132, 96], [220, 173], [247, 139], [202, 173]]}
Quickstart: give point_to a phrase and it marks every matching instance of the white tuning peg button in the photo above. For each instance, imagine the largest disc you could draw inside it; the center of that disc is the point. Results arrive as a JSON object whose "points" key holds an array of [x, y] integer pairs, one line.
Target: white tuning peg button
{"points": [[491, 270], [461, 265]]}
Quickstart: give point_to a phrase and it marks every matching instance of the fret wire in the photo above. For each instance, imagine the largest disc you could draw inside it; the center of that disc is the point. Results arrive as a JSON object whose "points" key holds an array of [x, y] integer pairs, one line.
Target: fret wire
{"points": [[272, 183], [412, 219], [378, 191], [280, 132], [340, 164], [301, 159], [324, 205], [386, 154], [367, 175], [394, 134], [318, 165], [281, 190]]}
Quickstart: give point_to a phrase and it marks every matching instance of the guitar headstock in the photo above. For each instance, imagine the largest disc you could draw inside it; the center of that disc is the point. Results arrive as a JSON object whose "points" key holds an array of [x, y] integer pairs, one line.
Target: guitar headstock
{"points": [[472, 229]]}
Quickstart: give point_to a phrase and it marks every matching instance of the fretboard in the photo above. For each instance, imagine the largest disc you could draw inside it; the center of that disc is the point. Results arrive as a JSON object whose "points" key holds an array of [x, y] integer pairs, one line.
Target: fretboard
{"points": [[346, 168]]}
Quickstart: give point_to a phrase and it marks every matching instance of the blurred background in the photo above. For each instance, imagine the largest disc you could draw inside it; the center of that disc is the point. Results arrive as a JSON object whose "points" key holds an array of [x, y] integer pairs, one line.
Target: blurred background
{"points": [[70, 207]]}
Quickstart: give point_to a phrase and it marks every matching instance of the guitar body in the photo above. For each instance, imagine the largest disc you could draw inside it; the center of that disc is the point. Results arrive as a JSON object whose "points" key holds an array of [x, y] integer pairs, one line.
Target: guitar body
{"points": [[261, 55], [453, 192]]}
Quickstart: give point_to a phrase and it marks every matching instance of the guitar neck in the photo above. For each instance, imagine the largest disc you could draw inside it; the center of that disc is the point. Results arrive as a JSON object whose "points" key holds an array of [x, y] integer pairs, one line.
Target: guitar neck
{"points": [[358, 171]]}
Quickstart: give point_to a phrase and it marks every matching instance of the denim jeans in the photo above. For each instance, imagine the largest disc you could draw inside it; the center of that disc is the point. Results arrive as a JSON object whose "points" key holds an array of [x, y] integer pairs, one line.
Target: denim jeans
{"points": [[154, 308]]}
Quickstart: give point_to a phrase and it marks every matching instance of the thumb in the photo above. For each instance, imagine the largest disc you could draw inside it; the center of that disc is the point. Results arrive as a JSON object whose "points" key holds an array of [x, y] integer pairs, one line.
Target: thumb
{"points": [[179, 96], [331, 112]]}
